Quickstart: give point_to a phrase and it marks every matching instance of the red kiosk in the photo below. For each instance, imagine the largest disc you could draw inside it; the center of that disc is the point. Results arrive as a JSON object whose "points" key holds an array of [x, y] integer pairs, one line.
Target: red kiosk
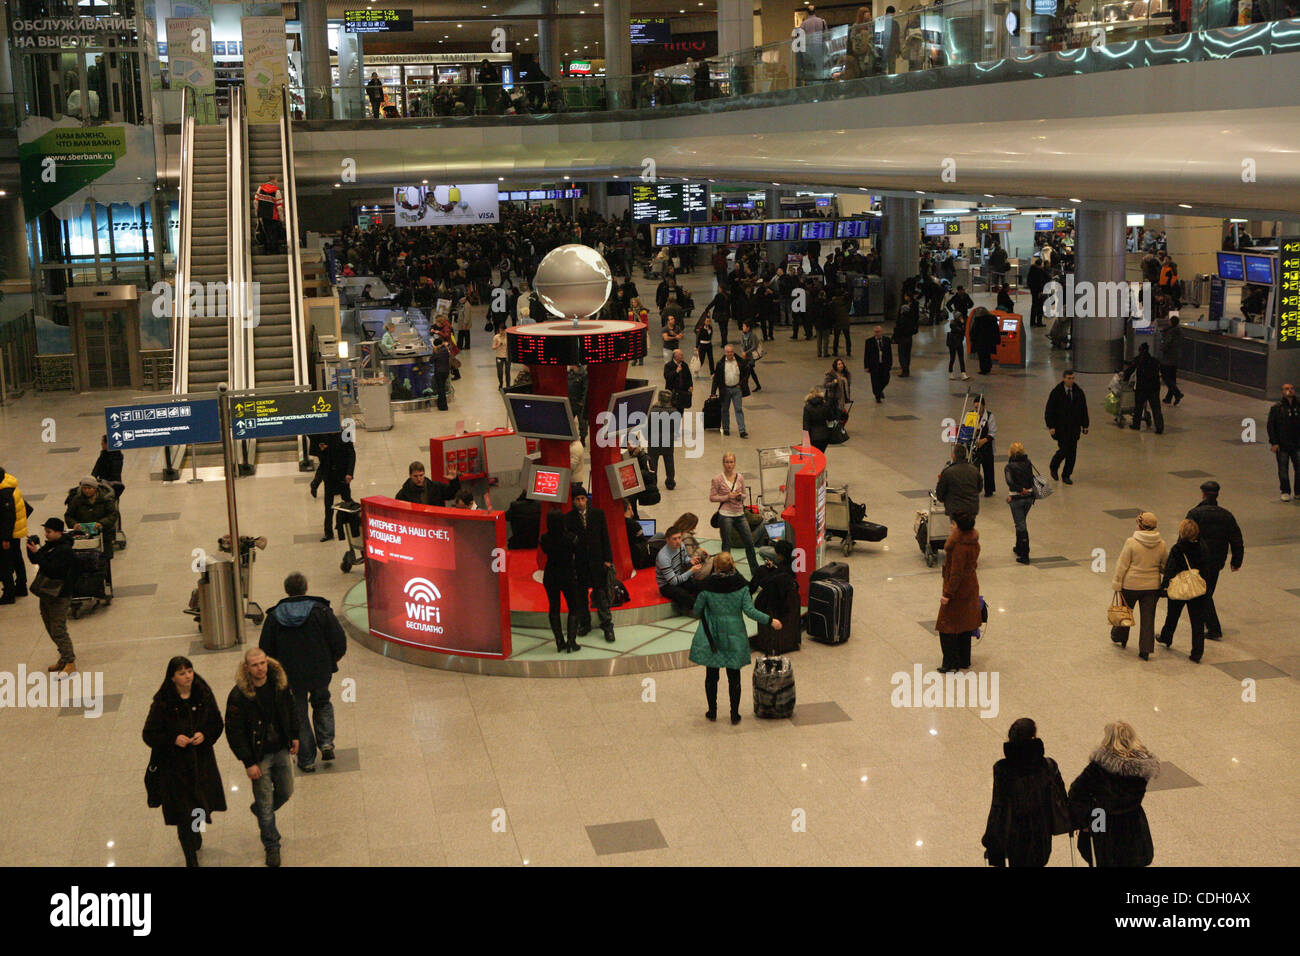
{"points": [[806, 517]]}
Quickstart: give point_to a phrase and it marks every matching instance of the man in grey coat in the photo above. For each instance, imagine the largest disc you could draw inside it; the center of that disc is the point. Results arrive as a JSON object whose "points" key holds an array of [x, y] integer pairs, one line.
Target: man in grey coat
{"points": [[959, 485]]}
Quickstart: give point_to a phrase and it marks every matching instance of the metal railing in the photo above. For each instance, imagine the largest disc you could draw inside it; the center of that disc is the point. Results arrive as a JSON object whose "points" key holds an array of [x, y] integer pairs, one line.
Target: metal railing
{"points": [[958, 43], [180, 290]]}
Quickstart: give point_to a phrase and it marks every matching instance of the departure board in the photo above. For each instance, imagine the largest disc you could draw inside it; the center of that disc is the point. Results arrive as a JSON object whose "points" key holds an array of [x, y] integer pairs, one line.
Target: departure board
{"points": [[1288, 299], [818, 229], [669, 202], [378, 21], [781, 231], [709, 235], [673, 236], [852, 229], [746, 232]]}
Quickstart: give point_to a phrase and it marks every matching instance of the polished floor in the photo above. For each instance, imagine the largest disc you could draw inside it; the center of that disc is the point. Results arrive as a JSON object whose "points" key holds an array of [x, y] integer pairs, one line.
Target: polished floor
{"points": [[439, 768]]}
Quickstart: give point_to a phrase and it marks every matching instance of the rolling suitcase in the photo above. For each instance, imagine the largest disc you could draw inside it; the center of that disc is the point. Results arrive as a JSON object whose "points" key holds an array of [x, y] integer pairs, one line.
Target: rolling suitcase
{"points": [[868, 531], [830, 611], [773, 687], [713, 413], [832, 571]]}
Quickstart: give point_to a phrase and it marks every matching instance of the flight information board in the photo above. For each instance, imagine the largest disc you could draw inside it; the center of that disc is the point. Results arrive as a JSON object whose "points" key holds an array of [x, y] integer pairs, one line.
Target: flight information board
{"points": [[378, 21], [646, 30], [818, 229], [745, 232], [669, 202], [853, 229], [673, 236], [709, 235], [781, 231], [1288, 299]]}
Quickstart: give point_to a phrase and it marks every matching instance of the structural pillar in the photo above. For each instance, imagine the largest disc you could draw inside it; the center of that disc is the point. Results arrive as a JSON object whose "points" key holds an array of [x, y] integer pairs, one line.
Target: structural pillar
{"points": [[618, 53], [900, 245], [548, 50], [316, 59], [735, 26], [1098, 337]]}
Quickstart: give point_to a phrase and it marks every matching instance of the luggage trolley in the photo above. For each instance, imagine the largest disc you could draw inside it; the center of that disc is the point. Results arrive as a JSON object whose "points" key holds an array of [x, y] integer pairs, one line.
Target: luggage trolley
{"points": [[773, 468], [347, 515], [1121, 397], [968, 422], [931, 528], [838, 521], [92, 587]]}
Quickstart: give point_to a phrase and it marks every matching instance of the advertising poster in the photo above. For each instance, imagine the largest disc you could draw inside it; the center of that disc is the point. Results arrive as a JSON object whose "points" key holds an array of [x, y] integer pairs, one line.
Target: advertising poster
{"points": [[63, 163], [433, 580], [445, 205], [189, 52], [266, 69]]}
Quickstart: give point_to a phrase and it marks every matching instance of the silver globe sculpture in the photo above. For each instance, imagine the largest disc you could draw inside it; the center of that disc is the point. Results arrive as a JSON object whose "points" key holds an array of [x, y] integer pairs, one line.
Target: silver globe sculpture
{"points": [[573, 281]]}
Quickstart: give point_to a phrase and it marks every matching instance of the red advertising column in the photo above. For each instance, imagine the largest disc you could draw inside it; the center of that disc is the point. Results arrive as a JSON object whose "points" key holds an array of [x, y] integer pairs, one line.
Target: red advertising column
{"points": [[604, 348], [807, 516]]}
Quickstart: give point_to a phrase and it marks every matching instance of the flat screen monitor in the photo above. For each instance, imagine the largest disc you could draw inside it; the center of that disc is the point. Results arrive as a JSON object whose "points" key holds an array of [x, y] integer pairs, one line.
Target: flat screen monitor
{"points": [[934, 229], [851, 229], [647, 526], [541, 416], [782, 231], [537, 194], [818, 229], [746, 232], [1231, 266], [1000, 225], [673, 236], [1259, 269], [517, 194], [629, 410], [775, 530], [709, 235], [547, 482], [1009, 325], [1042, 225], [625, 479]]}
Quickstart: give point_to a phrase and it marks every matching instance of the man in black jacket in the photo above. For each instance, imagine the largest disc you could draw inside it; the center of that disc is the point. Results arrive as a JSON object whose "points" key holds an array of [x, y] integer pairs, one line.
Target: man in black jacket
{"points": [[961, 302], [878, 359], [1037, 281], [55, 561], [1066, 415], [262, 730], [906, 325], [984, 337], [678, 380], [338, 459], [595, 559], [720, 309], [1221, 535], [1146, 388], [1284, 438], [419, 490], [305, 636]]}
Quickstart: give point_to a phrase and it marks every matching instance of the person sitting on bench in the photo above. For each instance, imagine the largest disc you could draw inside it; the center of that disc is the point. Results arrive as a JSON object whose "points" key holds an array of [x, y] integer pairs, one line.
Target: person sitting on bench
{"points": [[673, 567]]}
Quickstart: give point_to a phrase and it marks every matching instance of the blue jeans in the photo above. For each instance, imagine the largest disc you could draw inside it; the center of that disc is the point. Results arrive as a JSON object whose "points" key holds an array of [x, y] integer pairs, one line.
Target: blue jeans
{"points": [[271, 791], [322, 722], [738, 526], [731, 396], [1019, 510]]}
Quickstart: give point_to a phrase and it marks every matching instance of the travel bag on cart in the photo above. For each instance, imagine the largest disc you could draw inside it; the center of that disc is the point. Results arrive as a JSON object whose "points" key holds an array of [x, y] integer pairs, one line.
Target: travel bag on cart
{"points": [[713, 413], [830, 611], [89, 577], [869, 531], [773, 687], [832, 570]]}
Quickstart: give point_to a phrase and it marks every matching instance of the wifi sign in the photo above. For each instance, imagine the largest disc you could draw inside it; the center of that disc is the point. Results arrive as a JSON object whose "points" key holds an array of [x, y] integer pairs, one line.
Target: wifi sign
{"points": [[423, 593]]}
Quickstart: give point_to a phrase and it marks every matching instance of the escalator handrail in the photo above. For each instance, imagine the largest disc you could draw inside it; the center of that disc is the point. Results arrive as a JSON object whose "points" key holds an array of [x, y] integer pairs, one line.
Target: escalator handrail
{"points": [[293, 256]]}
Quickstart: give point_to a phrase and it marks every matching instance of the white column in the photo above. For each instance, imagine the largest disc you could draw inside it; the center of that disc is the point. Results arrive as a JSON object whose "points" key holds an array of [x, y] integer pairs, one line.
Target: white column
{"points": [[735, 25], [618, 52]]}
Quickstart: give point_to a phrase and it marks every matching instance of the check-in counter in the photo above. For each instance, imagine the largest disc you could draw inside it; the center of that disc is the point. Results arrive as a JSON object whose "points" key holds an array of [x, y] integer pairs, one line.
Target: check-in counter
{"points": [[1227, 361]]}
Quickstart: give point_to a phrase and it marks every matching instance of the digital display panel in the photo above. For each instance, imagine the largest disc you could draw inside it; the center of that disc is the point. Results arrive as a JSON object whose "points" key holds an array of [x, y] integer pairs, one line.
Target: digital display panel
{"points": [[427, 584], [541, 416], [781, 231], [934, 229], [746, 232], [622, 345], [1009, 325], [1259, 269], [669, 202], [625, 478], [647, 30], [852, 229], [1288, 299], [378, 21], [629, 410], [673, 236], [1231, 266], [1000, 225], [1042, 225], [1060, 222], [709, 235], [547, 482], [517, 194], [537, 194], [818, 229]]}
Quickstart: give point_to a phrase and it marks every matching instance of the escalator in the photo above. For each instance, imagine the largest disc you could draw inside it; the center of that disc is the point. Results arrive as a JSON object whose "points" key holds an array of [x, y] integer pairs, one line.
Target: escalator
{"points": [[208, 359]]}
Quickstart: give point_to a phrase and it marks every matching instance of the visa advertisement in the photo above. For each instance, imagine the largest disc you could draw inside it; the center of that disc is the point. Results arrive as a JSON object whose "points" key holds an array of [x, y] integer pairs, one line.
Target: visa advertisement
{"points": [[446, 205], [435, 577]]}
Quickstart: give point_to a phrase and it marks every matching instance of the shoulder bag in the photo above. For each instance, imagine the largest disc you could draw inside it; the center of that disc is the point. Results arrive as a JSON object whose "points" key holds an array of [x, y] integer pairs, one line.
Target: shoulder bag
{"points": [[716, 520], [46, 586], [1042, 488], [1119, 614], [1186, 585], [153, 783]]}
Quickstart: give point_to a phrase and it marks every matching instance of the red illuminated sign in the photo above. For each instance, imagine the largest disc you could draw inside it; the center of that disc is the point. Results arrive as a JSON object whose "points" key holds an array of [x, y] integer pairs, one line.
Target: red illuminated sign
{"points": [[546, 482], [628, 476], [434, 575], [621, 345]]}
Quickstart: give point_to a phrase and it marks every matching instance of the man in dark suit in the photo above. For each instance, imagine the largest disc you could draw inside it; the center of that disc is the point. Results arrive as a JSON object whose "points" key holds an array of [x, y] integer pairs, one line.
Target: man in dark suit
{"points": [[906, 325], [878, 359], [1066, 415], [595, 558], [1222, 536], [1037, 281], [338, 460], [678, 380]]}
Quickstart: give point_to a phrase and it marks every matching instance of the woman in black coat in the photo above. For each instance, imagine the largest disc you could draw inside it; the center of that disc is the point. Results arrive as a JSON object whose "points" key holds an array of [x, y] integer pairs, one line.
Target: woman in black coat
{"points": [[1019, 476], [184, 723], [815, 415], [1189, 553], [1106, 800], [1026, 787], [560, 579]]}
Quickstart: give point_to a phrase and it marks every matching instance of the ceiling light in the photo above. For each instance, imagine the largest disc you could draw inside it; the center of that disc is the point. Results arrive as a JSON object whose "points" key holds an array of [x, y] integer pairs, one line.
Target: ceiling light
{"points": [[501, 179], [989, 196], [920, 192], [1183, 205], [338, 185], [1076, 200]]}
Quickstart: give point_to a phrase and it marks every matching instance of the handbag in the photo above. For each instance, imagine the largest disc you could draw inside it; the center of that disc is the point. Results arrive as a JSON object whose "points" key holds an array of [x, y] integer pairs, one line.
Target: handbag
{"points": [[716, 520], [46, 586], [694, 364], [153, 784], [1042, 488], [618, 594], [1187, 585], [1119, 614], [1061, 820]]}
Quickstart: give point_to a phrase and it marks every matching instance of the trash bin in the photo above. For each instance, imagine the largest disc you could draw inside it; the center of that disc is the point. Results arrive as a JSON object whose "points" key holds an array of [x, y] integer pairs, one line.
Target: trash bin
{"points": [[217, 621]]}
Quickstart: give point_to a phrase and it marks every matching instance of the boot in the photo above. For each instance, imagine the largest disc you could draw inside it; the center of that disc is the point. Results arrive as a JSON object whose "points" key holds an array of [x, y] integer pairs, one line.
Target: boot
{"points": [[573, 639], [711, 698], [559, 640], [1022, 547], [733, 690]]}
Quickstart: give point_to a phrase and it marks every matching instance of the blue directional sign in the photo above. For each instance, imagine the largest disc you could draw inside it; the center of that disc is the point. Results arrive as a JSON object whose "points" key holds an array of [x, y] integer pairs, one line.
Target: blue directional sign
{"points": [[291, 413], [184, 422]]}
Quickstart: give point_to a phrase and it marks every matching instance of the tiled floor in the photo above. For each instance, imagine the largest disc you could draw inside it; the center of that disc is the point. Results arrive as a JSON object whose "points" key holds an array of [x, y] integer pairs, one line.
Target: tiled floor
{"points": [[442, 768]]}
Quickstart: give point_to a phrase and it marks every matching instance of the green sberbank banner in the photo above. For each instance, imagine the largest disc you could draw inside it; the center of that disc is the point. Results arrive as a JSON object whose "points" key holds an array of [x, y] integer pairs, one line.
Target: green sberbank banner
{"points": [[63, 163]]}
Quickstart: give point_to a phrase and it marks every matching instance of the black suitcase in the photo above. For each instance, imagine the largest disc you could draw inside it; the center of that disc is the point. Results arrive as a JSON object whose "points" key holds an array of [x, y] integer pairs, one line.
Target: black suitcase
{"points": [[832, 571], [773, 687], [869, 531], [713, 413], [830, 611]]}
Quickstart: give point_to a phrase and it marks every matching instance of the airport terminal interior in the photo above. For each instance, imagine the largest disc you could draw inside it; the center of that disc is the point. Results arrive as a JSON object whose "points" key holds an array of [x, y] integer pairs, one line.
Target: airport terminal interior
{"points": [[243, 242]]}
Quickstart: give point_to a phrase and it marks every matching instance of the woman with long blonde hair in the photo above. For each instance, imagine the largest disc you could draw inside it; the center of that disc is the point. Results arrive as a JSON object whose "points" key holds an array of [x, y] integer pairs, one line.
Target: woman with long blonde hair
{"points": [[1106, 800]]}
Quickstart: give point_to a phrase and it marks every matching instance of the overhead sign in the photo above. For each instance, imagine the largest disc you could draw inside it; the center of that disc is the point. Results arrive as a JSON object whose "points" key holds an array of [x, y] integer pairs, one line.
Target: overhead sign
{"points": [[378, 21], [647, 30], [669, 202], [446, 205], [278, 416], [433, 580], [186, 422], [1288, 299], [68, 32]]}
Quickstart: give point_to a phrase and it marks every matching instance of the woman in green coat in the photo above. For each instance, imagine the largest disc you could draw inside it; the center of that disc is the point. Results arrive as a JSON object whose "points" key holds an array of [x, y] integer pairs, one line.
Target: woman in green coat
{"points": [[720, 640]]}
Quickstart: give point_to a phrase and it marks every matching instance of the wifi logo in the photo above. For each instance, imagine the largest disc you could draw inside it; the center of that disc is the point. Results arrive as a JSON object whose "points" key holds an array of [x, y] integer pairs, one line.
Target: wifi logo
{"points": [[422, 589]]}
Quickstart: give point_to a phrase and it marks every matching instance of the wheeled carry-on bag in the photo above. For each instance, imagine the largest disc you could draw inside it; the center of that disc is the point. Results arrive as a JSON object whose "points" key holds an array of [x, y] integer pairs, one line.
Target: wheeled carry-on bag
{"points": [[868, 531], [773, 687], [713, 413], [831, 571], [830, 611]]}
